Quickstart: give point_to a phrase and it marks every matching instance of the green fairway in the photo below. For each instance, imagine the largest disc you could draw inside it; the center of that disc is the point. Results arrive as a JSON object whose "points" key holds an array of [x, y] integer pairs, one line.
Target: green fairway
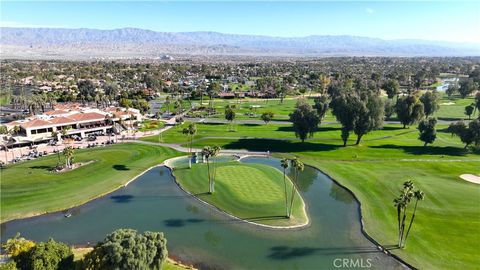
{"points": [[30, 188], [253, 192], [375, 171], [453, 109]]}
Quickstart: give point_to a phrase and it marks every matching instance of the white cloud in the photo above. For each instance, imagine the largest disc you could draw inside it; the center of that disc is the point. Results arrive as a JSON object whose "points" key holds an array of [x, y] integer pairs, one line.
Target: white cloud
{"points": [[369, 11]]}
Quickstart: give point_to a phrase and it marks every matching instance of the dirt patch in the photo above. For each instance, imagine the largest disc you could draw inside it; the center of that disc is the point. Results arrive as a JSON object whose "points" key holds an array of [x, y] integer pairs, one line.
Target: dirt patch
{"points": [[74, 166]]}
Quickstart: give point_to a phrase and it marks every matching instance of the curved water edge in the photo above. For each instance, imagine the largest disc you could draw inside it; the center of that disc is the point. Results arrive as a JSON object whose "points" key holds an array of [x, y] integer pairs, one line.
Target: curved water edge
{"points": [[31, 215], [362, 224], [136, 205], [168, 164]]}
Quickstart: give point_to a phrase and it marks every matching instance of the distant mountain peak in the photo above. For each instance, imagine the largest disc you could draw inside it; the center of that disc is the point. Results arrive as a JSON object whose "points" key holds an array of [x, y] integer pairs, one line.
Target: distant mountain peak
{"points": [[135, 42]]}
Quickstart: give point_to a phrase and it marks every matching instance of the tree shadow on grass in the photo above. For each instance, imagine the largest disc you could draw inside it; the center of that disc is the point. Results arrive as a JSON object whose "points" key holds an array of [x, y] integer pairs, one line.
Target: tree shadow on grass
{"points": [[285, 252], [43, 167], [289, 128], [449, 118], [279, 145], [428, 150], [120, 167], [393, 128]]}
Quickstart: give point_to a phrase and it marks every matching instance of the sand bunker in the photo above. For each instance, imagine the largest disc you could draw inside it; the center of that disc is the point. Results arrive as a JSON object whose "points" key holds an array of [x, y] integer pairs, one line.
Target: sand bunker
{"points": [[448, 103], [471, 178]]}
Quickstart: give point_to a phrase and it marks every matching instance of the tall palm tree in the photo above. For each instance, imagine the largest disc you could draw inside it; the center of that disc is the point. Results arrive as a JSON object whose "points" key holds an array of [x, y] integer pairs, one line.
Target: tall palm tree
{"points": [[68, 152], [298, 166], [216, 151], [55, 136], [401, 203], [419, 196], [284, 164], [190, 131], [206, 153]]}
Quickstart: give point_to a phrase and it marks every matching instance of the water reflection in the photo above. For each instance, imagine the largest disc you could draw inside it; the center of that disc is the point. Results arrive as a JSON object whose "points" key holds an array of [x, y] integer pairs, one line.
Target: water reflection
{"points": [[205, 237]]}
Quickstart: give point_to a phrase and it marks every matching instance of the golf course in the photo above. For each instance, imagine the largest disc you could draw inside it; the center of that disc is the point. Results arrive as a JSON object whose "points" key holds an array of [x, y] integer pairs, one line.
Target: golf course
{"points": [[446, 229], [253, 192]]}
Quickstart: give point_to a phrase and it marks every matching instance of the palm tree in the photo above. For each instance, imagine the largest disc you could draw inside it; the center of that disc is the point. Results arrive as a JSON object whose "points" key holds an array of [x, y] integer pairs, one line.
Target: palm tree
{"points": [[216, 151], [55, 136], [298, 166], [64, 132], [401, 203], [207, 151], [284, 164], [190, 131], [419, 196], [68, 152]]}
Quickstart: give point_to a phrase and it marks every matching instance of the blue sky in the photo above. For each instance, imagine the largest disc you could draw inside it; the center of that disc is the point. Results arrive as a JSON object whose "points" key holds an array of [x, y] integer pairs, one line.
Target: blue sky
{"points": [[430, 20]]}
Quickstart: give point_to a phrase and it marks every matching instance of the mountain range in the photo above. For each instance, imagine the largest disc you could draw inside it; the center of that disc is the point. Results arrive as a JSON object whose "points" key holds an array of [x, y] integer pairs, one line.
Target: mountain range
{"points": [[133, 43]]}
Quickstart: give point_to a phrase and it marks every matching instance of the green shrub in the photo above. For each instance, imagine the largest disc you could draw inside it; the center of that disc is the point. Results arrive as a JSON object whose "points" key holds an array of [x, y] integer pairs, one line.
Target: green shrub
{"points": [[125, 249], [46, 256]]}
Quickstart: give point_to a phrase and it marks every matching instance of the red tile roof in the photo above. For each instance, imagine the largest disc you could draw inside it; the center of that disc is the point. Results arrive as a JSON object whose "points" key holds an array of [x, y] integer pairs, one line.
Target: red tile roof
{"points": [[87, 116], [35, 123]]}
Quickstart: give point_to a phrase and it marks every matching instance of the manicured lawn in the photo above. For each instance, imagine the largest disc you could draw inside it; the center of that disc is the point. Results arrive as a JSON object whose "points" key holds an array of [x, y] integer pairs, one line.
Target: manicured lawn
{"points": [[446, 232], [455, 111], [254, 192], [30, 188]]}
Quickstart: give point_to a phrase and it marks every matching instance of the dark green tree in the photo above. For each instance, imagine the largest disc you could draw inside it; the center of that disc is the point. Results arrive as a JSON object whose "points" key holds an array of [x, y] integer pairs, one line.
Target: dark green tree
{"points": [[409, 110], [469, 110], [430, 103], [86, 90], [428, 133], [321, 105], [305, 120], [391, 87], [267, 116], [468, 134], [452, 90], [389, 108], [467, 87]]}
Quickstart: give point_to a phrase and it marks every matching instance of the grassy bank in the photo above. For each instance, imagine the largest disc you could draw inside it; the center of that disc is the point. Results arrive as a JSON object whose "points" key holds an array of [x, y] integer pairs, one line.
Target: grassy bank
{"points": [[447, 225], [253, 192], [31, 188]]}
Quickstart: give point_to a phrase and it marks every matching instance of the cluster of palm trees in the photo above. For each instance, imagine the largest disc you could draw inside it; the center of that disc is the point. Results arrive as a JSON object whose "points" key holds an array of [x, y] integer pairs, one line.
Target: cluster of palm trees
{"points": [[298, 166], [34, 103], [407, 194], [68, 152], [210, 152]]}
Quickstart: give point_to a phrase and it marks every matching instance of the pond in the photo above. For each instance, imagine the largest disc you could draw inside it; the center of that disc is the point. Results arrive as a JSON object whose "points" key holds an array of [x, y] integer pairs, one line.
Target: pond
{"points": [[446, 83], [202, 236]]}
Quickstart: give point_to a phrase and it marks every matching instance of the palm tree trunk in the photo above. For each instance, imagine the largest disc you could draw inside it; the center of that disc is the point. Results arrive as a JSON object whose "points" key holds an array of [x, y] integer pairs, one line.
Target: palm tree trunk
{"points": [[399, 210], [403, 226], [286, 198], [410, 225], [209, 178], [293, 193]]}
